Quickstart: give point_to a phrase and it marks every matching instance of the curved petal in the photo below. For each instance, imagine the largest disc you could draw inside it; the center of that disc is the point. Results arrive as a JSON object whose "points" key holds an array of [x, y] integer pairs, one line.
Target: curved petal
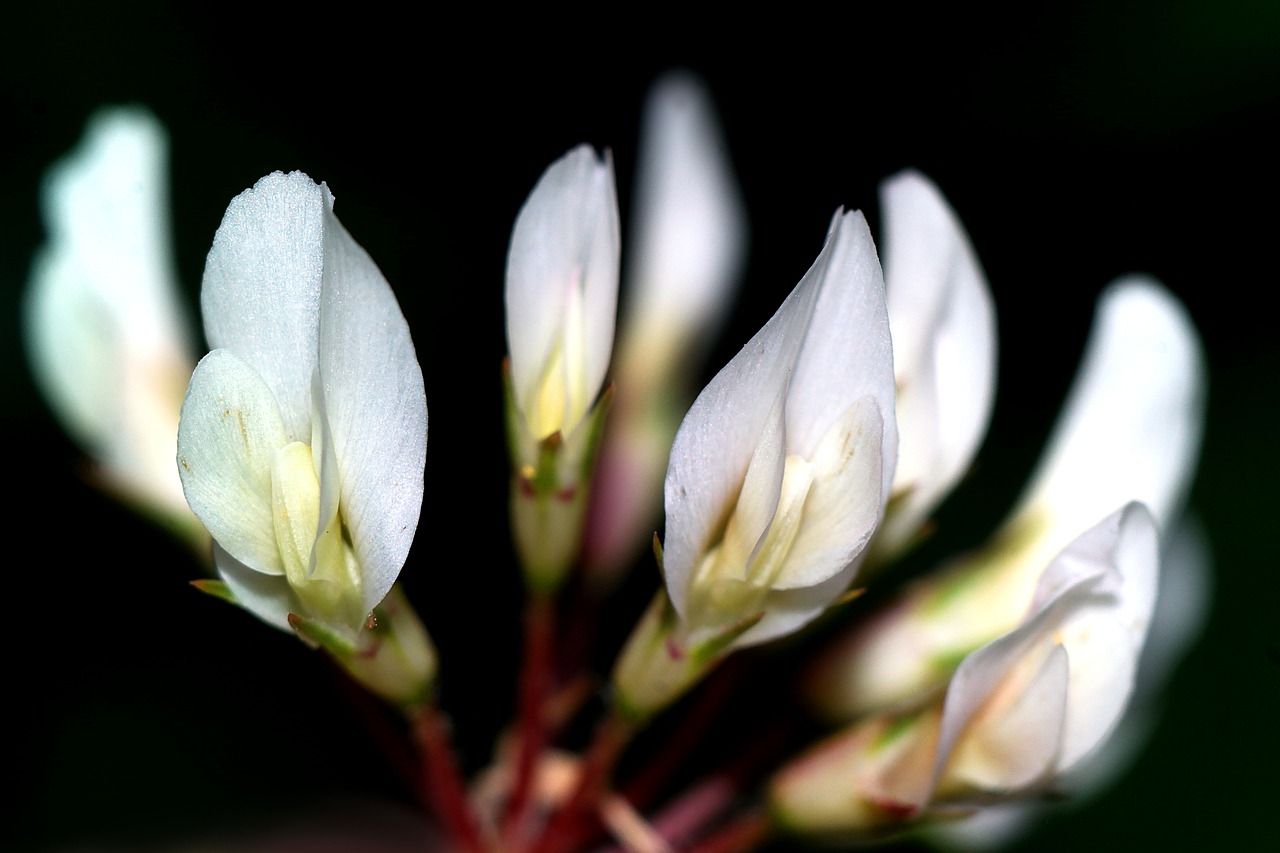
{"points": [[269, 597], [562, 289], [1017, 735], [1104, 641], [719, 435], [690, 235], [944, 345], [1093, 602], [374, 409], [1130, 429], [230, 428], [261, 291], [847, 352], [826, 352]]}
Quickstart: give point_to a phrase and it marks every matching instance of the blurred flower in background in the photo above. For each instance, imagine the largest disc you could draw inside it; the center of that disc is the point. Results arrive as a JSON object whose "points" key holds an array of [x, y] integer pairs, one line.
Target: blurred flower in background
{"points": [[686, 252], [106, 333]]}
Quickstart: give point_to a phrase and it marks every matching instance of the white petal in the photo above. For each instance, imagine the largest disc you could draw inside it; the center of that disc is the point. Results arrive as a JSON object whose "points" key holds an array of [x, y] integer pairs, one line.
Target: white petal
{"points": [[375, 407], [720, 434], [690, 235], [106, 335], [562, 282], [944, 344], [981, 674], [1104, 640], [230, 428], [827, 349], [847, 352], [261, 292], [1083, 570], [788, 610], [269, 597], [1130, 429], [1013, 743]]}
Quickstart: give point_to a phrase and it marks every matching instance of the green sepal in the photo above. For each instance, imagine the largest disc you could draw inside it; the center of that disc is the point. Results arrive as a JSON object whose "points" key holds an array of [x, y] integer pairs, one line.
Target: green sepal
{"points": [[711, 649], [551, 481], [320, 636], [654, 669], [216, 588]]}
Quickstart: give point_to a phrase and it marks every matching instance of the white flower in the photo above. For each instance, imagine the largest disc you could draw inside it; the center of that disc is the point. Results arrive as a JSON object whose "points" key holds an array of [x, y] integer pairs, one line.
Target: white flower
{"points": [[1182, 604], [780, 471], [689, 235], [687, 249], [105, 332], [303, 434], [944, 349], [1018, 712], [561, 296], [1027, 707], [1129, 432], [562, 293]]}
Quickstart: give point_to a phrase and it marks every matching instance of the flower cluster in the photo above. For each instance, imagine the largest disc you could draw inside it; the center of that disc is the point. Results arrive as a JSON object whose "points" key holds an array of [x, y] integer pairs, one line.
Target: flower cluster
{"points": [[801, 473]]}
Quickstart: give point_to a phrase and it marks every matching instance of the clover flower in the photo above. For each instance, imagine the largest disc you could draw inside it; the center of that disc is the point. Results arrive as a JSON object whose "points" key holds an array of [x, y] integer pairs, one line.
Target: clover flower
{"points": [[303, 436], [1018, 713], [1129, 431], [561, 299], [778, 476]]}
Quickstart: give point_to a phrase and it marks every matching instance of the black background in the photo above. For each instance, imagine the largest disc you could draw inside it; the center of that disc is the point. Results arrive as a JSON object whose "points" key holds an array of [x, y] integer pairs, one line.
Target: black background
{"points": [[1077, 143]]}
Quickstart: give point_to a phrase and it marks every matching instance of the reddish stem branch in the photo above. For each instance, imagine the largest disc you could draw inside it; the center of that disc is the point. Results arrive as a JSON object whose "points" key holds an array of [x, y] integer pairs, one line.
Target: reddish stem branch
{"points": [[535, 685], [578, 818], [443, 786], [694, 809], [385, 729], [745, 833], [692, 730]]}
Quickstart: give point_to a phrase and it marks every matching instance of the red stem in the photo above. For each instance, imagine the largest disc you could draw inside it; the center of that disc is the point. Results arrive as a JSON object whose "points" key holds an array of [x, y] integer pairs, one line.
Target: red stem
{"points": [[535, 685], [692, 730], [745, 833], [386, 731], [578, 817], [694, 809], [443, 786]]}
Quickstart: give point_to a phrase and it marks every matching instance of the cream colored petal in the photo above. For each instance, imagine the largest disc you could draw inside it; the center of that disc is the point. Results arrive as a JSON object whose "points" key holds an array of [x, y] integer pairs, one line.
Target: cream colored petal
{"points": [[1016, 736], [230, 429], [843, 504]]}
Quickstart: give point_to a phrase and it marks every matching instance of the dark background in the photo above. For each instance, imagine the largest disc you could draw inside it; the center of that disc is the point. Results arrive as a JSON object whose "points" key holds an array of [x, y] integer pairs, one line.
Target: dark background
{"points": [[1077, 143]]}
